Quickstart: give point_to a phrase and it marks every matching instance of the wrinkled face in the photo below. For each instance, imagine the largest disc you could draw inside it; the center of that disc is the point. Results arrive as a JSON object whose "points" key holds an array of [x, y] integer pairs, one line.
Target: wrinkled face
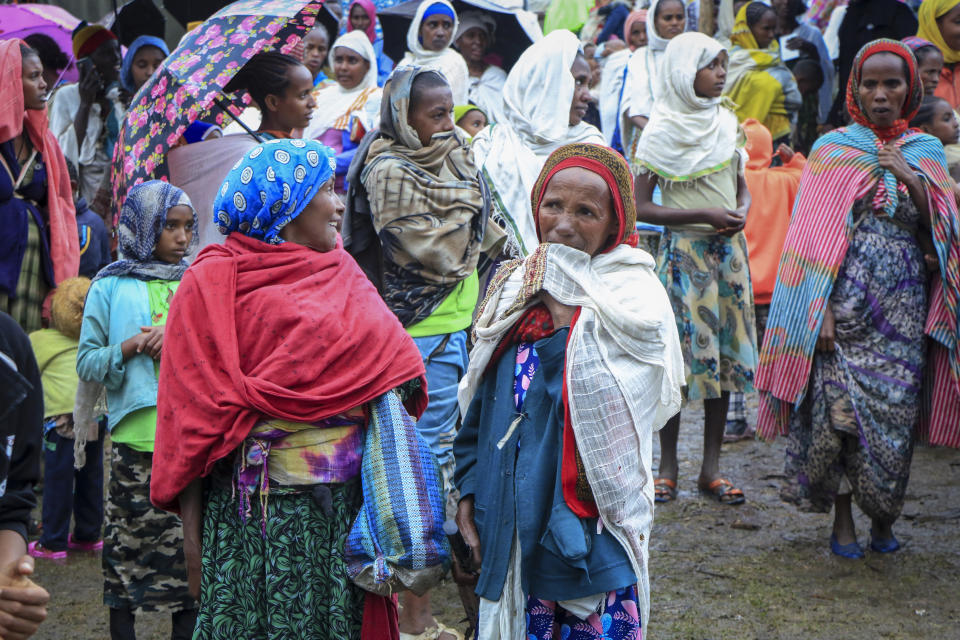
{"points": [[315, 49], [710, 80], [670, 19], [765, 30], [318, 224], [581, 90], [34, 86], [145, 64], [106, 59], [176, 235], [293, 109], [883, 88], [949, 24], [577, 211], [473, 44], [359, 19], [929, 65], [472, 122], [431, 113], [436, 33], [638, 35], [944, 125], [349, 67]]}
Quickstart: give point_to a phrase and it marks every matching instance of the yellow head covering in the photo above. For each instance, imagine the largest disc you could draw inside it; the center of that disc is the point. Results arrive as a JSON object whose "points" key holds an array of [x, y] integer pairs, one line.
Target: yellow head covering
{"points": [[930, 10]]}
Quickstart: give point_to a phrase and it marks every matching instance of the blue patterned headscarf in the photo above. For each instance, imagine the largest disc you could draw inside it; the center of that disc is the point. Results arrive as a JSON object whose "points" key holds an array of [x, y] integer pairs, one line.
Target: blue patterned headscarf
{"points": [[270, 186], [142, 220]]}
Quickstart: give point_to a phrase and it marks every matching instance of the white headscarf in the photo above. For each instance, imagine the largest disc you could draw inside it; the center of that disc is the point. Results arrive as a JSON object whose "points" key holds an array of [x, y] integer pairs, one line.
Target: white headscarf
{"points": [[334, 103], [642, 71], [687, 136], [448, 62], [536, 121]]}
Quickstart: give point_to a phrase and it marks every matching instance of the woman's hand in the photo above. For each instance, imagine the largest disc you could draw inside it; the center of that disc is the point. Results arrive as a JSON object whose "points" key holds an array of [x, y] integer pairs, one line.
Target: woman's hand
{"points": [[23, 604], [726, 221], [153, 340], [891, 159], [468, 529], [89, 85], [806, 47], [826, 341], [786, 153], [562, 314]]}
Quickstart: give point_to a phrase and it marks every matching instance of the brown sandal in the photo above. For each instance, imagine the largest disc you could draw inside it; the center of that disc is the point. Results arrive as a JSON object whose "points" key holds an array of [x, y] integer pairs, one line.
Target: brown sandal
{"points": [[723, 491], [664, 490]]}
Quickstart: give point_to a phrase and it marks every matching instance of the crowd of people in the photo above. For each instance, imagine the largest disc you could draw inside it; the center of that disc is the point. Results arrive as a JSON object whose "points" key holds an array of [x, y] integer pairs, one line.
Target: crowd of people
{"points": [[452, 297]]}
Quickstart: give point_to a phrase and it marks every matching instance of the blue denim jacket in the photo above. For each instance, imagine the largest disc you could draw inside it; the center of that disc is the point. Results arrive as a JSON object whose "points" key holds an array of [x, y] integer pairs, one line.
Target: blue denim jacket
{"points": [[116, 308], [517, 488]]}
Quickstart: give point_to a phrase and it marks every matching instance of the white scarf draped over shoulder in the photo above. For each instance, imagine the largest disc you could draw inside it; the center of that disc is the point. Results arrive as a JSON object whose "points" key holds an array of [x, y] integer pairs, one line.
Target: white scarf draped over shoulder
{"points": [[448, 62], [623, 373], [688, 136], [536, 121], [335, 104]]}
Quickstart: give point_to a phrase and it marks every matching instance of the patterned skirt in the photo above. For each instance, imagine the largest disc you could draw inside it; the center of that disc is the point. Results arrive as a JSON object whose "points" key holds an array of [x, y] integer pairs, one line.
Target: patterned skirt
{"points": [[291, 582], [707, 278], [26, 307], [620, 619], [143, 566], [854, 430]]}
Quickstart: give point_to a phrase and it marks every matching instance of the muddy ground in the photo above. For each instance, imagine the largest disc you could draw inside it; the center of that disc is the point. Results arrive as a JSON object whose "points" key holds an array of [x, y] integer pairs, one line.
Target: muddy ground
{"points": [[759, 571]]}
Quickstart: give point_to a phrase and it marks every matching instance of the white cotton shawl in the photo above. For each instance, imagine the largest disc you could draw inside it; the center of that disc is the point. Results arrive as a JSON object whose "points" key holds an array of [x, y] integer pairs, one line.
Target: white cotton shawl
{"points": [[336, 103], [448, 62], [623, 374], [536, 121], [688, 136]]}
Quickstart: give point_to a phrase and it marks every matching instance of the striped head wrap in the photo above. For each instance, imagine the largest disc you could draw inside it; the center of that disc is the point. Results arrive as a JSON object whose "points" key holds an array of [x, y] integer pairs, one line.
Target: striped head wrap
{"points": [[87, 39], [914, 88]]}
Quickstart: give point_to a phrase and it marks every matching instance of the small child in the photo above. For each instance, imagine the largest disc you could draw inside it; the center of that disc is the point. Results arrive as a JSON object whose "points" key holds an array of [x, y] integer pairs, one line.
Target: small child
{"points": [[120, 345], [470, 118], [937, 118], [66, 491], [94, 239], [809, 76]]}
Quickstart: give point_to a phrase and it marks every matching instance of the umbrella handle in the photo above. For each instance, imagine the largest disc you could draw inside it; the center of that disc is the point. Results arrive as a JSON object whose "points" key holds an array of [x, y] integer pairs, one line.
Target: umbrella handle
{"points": [[226, 110]]}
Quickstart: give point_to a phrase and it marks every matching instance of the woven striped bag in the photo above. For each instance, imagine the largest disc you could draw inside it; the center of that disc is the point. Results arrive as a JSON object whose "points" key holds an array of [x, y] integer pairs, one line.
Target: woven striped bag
{"points": [[397, 541]]}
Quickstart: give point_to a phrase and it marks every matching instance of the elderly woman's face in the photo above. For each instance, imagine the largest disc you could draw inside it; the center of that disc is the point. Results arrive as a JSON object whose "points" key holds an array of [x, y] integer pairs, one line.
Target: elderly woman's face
{"points": [[883, 88], [577, 211], [473, 45], [318, 224]]}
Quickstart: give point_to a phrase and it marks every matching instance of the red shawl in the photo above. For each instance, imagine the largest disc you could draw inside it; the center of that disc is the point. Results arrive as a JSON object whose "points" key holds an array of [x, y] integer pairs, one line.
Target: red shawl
{"points": [[64, 241], [268, 330]]}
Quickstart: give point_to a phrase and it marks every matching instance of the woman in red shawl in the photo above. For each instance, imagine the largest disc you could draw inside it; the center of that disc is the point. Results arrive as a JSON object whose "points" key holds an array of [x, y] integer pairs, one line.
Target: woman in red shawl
{"points": [[275, 349], [39, 247]]}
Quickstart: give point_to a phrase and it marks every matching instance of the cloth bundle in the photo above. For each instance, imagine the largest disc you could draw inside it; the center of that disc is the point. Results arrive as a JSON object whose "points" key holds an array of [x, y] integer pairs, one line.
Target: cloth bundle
{"points": [[397, 541]]}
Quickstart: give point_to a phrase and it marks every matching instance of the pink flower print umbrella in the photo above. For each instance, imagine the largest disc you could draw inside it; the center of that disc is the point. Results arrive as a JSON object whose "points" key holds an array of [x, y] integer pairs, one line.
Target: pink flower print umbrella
{"points": [[190, 81]]}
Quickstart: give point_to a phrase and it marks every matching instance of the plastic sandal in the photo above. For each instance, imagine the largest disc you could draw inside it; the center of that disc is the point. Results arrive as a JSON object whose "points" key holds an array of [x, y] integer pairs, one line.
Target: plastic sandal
{"points": [[724, 492], [883, 546], [77, 545], [665, 490], [37, 550], [853, 550]]}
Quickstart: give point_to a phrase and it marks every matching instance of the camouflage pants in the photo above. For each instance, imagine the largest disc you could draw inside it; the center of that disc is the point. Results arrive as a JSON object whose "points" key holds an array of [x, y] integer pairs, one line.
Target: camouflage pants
{"points": [[143, 566]]}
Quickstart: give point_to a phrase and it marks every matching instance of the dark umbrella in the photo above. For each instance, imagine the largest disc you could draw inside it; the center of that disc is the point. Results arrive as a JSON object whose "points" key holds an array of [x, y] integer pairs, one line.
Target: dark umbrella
{"points": [[511, 41], [134, 19], [187, 11], [190, 81]]}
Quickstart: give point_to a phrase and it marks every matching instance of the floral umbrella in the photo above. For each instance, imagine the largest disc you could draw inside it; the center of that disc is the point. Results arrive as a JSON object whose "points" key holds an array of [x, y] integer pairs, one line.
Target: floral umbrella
{"points": [[191, 79]]}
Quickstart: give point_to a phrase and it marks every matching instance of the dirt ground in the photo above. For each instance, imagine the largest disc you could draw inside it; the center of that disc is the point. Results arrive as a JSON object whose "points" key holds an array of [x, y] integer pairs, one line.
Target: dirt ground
{"points": [[759, 571]]}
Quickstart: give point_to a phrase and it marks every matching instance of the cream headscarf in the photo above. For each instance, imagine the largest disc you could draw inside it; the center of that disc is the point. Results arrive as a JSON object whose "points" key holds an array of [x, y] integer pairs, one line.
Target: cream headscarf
{"points": [[336, 104], [688, 136], [448, 62], [536, 109]]}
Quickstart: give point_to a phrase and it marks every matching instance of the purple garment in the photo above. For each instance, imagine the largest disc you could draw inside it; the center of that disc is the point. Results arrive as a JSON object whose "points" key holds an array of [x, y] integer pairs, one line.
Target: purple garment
{"points": [[619, 620]]}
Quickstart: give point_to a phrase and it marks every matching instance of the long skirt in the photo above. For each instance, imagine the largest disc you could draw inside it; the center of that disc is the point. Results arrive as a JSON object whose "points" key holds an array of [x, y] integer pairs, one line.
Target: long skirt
{"points": [[26, 307], [286, 581], [143, 566], [619, 619], [854, 430]]}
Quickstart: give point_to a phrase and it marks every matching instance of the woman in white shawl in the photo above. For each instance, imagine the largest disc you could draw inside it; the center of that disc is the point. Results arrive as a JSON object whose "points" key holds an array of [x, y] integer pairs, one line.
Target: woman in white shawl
{"points": [[485, 83], [351, 107], [428, 45], [666, 19], [544, 100]]}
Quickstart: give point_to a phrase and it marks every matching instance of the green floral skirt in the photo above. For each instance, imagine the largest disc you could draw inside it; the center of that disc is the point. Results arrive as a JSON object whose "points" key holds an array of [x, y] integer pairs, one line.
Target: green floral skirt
{"points": [[290, 584]]}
